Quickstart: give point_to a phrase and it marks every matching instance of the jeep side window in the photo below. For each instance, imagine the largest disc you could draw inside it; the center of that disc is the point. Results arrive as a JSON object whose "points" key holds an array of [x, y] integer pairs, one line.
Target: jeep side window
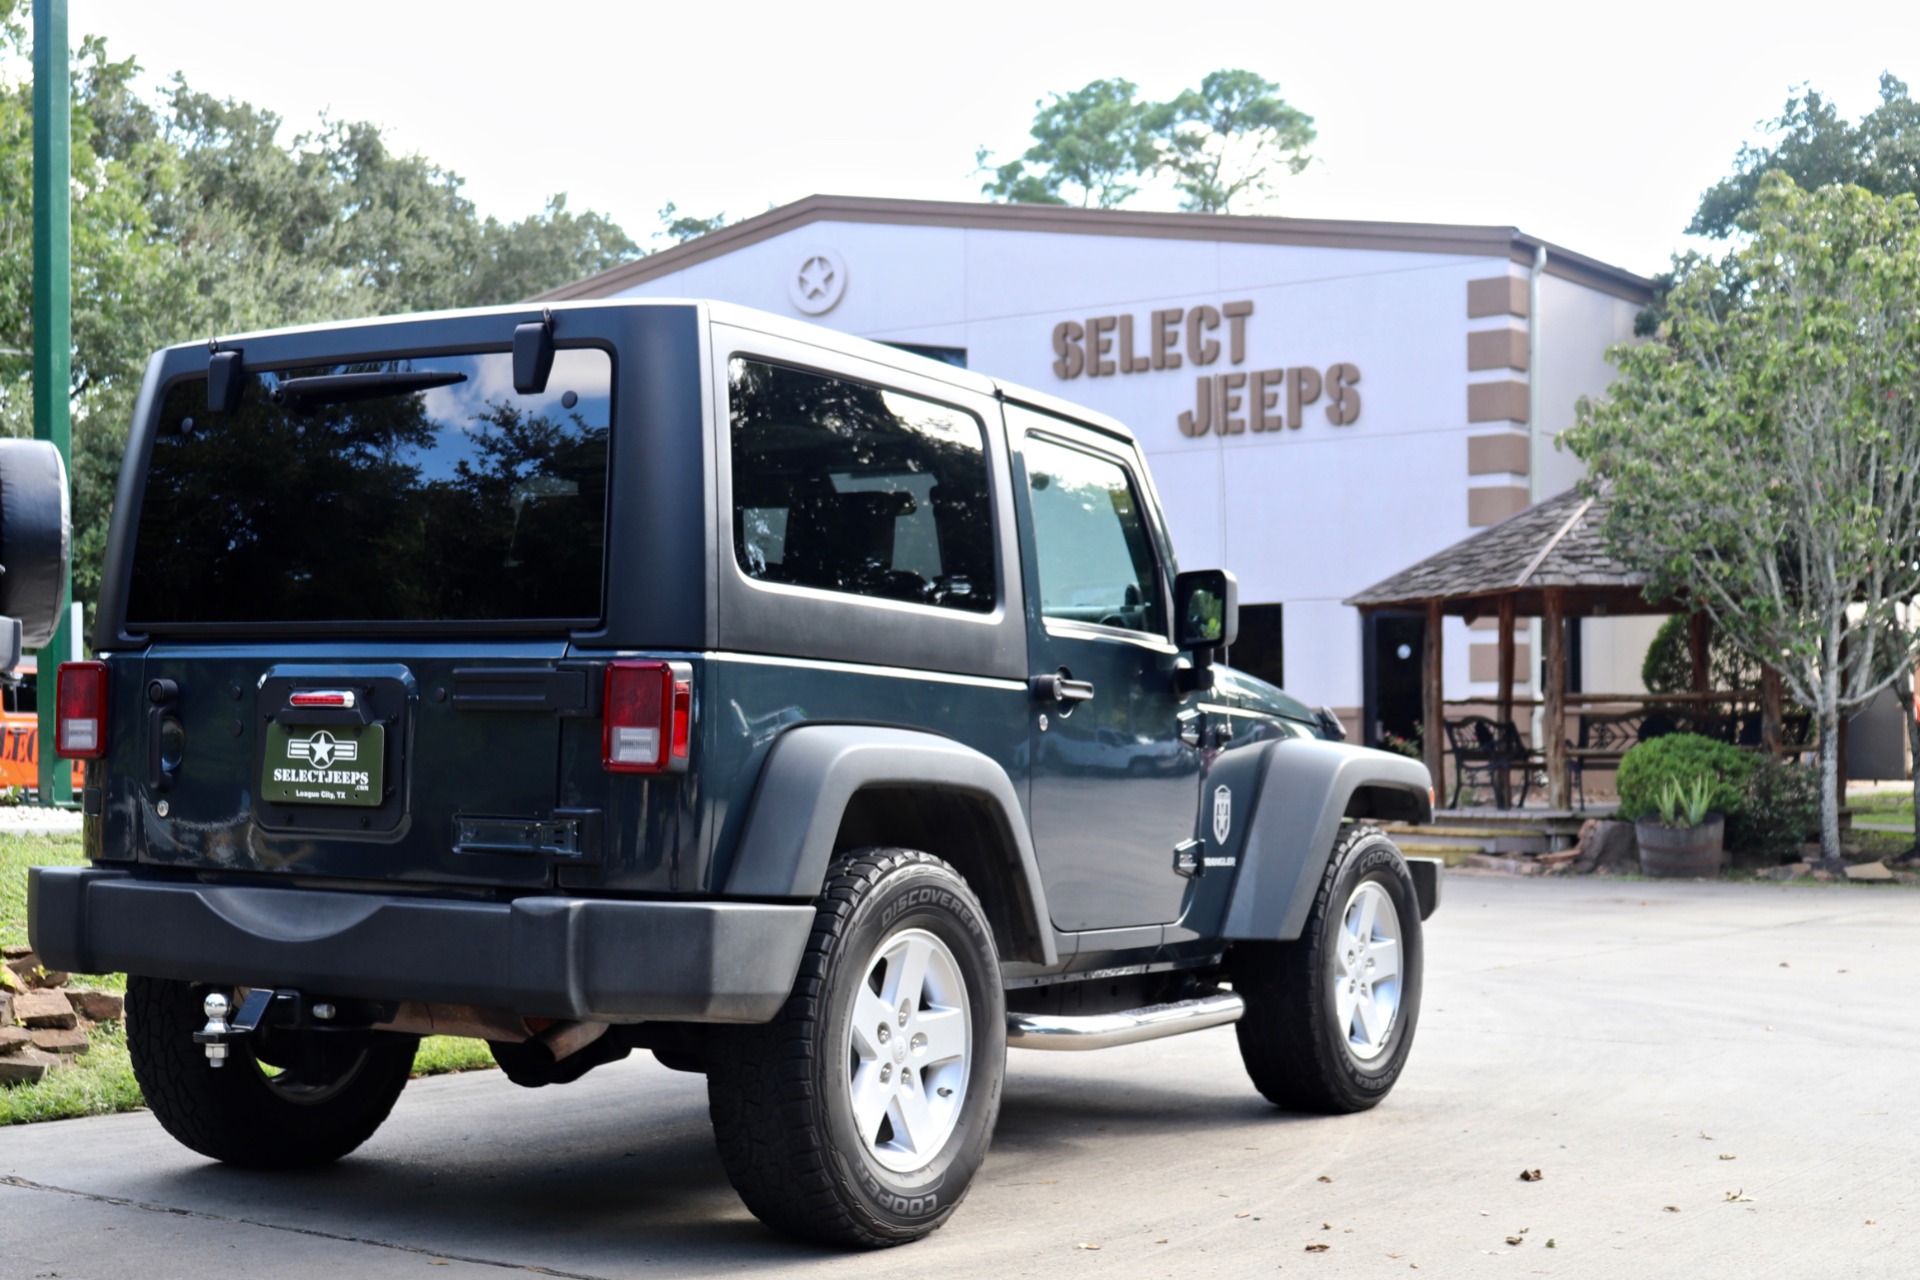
{"points": [[842, 486], [1095, 557]]}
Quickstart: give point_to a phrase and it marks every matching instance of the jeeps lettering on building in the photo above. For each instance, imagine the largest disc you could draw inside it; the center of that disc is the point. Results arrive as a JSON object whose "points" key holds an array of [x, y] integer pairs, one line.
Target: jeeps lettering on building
{"points": [[1227, 404]]}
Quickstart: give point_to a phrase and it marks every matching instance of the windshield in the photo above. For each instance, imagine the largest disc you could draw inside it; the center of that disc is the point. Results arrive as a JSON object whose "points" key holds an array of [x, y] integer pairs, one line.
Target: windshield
{"points": [[414, 490]]}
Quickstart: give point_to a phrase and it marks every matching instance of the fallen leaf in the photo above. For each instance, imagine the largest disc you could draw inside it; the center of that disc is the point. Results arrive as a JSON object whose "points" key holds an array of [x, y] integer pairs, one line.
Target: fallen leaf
{"points": [[1318, 1248], [1705, 1136], [1094, 1247], [1726, 1155], [1326, 1177], [1531, 1175], [1673, 1208], [1785, 965], [1552, 1243], [1515, 1240], [1483, 1213], [1242, 1215], [1326, 1226], [1871, 1221], [1159, 1241], [1739, 1197]]}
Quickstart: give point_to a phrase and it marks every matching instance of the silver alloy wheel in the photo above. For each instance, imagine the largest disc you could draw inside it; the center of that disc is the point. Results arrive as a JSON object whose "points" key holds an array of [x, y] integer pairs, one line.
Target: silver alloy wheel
{"points": [[910, 1049], [1366, 971]]}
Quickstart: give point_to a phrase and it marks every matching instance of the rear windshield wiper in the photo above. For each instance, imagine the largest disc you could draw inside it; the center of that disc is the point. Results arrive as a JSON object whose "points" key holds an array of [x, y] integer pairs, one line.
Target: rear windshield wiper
{"points": [[338, 388]]}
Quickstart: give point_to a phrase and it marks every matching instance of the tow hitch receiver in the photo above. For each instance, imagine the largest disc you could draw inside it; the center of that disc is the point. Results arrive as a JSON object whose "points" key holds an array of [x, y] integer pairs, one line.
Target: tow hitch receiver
{"points": [[281, 1008]]}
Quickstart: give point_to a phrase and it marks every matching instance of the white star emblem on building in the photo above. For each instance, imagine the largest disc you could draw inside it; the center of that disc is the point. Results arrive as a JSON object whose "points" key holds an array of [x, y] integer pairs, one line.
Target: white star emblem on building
{"points": [[816, 277]]}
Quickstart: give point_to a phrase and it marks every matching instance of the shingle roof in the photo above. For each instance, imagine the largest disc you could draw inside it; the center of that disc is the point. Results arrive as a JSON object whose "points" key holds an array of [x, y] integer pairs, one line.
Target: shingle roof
{"points": [[1556, 543]]}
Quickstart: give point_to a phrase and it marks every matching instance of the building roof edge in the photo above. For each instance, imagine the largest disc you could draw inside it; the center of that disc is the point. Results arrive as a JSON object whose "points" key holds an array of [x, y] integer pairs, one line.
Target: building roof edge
{"points": [[1402, 237]]}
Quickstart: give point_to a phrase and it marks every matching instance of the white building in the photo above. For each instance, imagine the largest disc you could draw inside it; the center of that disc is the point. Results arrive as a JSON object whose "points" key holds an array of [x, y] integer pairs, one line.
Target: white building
{"points": [[1322, 403]]}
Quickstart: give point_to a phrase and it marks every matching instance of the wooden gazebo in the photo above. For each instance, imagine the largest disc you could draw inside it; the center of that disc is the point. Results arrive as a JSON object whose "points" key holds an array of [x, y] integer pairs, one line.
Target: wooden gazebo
{"points": [[1551, 562]]}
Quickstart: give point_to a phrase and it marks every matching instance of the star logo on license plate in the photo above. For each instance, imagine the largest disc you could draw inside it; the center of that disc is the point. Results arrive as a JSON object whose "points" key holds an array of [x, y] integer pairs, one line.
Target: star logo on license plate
{"points": [[321, 749]]}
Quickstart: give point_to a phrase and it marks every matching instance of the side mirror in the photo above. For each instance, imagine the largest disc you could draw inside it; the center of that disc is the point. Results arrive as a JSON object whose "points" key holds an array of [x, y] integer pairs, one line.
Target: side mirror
{"points": [[1206, 610]]}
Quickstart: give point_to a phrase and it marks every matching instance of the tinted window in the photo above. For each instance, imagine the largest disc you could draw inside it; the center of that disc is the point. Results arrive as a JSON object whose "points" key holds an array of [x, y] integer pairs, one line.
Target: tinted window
{"points": [[359, 500], [1095, 557], [849, 487]]}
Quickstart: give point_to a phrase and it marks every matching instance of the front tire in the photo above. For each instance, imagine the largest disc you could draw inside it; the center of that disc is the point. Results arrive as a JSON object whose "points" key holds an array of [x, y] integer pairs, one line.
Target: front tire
{"points": [[282, 1101], [860, 1114], [1330, 1017]]}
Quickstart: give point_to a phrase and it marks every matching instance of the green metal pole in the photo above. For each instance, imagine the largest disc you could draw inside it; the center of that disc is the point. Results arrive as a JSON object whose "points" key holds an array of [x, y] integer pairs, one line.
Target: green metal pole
{"points": [[52, 324]]}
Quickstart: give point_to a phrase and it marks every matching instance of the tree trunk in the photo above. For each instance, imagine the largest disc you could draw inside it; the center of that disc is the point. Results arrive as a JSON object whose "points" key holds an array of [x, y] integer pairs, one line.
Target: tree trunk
{"points": [[1829, 791], [1903, 690], [1830, 783]]}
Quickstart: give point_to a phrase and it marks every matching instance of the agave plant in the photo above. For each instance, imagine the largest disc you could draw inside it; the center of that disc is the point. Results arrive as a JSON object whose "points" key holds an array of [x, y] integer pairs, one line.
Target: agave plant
{"points": [[1686, 800]]}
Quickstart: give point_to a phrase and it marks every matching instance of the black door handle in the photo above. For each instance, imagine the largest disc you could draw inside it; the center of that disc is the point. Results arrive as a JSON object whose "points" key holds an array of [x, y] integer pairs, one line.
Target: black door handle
{"points": [[1060, 687]]}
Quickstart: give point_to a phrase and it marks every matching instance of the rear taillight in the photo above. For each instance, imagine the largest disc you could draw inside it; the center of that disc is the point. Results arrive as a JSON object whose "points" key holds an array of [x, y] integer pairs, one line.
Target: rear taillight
{"points": [[648, 714], [82, 701]]}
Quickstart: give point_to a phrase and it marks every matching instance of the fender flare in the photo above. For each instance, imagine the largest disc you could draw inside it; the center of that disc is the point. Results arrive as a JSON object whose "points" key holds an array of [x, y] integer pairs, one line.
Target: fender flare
{"points": [[1307, 787], [814, 771]]}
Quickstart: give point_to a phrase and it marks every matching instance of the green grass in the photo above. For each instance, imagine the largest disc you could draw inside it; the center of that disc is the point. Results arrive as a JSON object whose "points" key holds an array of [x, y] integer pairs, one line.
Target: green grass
{"points": [[17, 853], [102, 1082], [1883, 806]]}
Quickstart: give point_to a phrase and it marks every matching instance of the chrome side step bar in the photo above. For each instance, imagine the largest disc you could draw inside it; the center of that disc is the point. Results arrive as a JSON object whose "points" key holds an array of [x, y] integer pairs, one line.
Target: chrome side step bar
{"points": [[1105, 1030]]}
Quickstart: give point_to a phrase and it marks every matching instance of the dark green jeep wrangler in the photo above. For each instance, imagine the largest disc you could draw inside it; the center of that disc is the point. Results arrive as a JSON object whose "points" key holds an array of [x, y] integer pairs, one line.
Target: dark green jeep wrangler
{"points": [[669, 676]]}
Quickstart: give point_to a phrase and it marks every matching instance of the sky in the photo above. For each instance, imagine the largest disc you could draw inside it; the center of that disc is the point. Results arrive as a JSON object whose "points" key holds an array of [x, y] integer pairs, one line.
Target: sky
{"points": [[1593, 126]]}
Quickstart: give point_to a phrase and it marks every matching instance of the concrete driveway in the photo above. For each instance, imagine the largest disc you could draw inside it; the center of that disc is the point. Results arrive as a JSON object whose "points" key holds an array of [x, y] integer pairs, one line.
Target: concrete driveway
{"points": [[1712, 1079]]}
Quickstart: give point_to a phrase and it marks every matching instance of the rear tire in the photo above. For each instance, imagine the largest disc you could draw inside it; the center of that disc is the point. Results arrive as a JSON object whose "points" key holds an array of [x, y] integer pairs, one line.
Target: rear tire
{"points": [[1327, 1027], [860, 1114], [323, 1095]]}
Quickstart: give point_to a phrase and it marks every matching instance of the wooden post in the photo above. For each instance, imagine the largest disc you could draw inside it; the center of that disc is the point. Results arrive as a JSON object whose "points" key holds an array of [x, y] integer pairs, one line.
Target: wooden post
{"points": [[1433, 697], [1699, 639], [1553, 639], [1772, 710], [1506, 657]]}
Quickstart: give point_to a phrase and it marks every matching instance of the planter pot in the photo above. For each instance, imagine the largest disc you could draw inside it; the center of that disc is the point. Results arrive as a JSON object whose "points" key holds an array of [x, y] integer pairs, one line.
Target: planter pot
{"points": [[1681, 851]]}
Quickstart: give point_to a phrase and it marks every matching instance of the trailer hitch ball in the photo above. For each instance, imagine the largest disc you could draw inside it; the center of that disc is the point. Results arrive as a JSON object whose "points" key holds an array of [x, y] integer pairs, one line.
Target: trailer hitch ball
{"points": [[217, 1007]]}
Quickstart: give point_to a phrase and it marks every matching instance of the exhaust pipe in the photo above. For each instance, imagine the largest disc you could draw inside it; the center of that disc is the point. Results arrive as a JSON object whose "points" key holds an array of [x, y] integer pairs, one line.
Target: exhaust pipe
{"points": [[1131, 1026]]}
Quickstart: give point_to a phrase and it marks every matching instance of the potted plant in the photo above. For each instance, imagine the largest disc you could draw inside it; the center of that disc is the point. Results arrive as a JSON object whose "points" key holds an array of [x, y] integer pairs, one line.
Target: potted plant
{"points": [[1683, 838]]}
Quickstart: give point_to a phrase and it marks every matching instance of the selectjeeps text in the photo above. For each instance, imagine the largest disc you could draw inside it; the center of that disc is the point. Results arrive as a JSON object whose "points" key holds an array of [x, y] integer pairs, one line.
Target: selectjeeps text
{"points": [[669, 676]]}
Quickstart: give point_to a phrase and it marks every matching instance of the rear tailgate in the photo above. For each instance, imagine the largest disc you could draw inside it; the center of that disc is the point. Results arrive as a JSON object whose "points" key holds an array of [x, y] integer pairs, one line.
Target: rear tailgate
{"points": [[432, 763]]}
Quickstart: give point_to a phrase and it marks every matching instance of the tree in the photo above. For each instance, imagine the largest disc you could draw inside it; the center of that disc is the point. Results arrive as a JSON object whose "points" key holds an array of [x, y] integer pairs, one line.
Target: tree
{"points": [[1092, 147], [193, 216], [1227, 138], [1763, 454], [678, 228], [1817, 148]]}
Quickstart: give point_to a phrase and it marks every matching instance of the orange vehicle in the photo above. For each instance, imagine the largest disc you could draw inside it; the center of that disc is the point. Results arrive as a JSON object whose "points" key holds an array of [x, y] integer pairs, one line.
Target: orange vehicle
{"points": [[20, 746]]}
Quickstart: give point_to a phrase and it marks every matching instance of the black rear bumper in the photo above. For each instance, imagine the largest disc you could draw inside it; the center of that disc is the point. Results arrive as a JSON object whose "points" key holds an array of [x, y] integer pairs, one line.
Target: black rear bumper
{"points": [[541, 956]]}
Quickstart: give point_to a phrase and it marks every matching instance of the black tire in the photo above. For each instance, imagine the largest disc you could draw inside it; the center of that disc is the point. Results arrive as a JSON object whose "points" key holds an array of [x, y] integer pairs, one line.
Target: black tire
{"points": [[1293, 1041], [782, 1095], [332, 1091]]}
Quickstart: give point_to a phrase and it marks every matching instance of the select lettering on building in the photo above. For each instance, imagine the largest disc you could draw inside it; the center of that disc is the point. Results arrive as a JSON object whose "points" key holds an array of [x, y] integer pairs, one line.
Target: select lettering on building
{"points": [[1227, 404]]}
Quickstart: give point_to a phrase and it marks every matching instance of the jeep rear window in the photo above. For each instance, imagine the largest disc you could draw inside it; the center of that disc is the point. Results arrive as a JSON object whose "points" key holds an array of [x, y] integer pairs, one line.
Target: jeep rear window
{"points": [[379, 498], [842, 486]]}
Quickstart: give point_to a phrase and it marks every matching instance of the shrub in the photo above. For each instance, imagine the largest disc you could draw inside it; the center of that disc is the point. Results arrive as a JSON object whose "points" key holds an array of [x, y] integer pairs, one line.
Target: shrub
{"points": [[1782, 797], [1679, 758]]}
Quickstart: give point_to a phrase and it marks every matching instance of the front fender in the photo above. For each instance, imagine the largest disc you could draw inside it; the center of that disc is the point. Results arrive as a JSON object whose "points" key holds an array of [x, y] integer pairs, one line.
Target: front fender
{"points": [[815, 770], [1307, 787]]}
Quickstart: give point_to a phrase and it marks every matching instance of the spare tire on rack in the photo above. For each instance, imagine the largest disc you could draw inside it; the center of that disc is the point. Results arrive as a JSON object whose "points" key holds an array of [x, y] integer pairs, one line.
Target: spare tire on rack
{"points": [[36, 540]]}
